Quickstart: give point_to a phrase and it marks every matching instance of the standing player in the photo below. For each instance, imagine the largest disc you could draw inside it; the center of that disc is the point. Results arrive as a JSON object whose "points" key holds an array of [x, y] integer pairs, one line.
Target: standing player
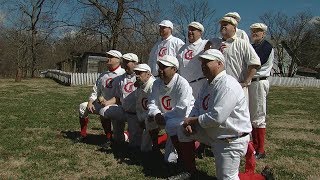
{"points": [[239, 32], [189, 65], [102, 91], [241, 60], [259, 88], [167, 45]]}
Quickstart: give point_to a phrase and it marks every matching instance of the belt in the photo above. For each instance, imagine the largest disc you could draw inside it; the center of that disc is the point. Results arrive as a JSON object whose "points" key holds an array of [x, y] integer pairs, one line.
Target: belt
{"points": [[197, 79], [259, 78], [229, 139]]}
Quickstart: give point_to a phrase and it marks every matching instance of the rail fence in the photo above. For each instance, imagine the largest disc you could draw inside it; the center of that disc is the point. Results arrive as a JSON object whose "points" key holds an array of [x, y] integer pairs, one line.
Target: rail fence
{"points": [[76, 79]]}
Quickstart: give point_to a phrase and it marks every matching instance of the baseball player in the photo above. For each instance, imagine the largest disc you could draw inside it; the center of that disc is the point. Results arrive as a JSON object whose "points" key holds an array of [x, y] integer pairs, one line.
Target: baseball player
{"points": [[171, 99], [239, 32], [219, 118], [102, 91], [189, 66], [259, 88], [124, 108], [144, 82], [241, 60], [167, 45]]}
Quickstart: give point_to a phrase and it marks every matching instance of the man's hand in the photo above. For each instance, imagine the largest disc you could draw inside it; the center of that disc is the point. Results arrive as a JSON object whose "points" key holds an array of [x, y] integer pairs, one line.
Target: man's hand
{"points": [[91, 107], [188, 123], [244, 84], [160, 119]]}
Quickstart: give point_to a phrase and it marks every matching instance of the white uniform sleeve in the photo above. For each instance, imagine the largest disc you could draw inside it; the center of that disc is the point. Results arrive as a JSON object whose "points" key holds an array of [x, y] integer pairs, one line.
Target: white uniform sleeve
{"points": [[251, 57], [152, 62], [196, 108], [180, 43], [153, 101], [223, 103], [96, 90]]}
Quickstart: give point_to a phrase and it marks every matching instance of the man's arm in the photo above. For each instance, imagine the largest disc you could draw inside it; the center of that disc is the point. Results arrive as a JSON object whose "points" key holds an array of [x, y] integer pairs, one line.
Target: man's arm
{"points": [[252, 69]]}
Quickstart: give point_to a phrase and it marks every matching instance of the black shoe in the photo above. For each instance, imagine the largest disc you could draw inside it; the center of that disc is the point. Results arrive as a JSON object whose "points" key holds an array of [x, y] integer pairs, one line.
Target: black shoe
{"points": [[260, 155], [105, 146], [267, 173], [181, 176], [79, 139]]}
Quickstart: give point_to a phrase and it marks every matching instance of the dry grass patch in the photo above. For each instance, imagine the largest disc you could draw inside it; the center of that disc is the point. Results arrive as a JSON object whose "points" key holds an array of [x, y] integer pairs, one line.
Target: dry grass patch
{"points": [[296, 166], [293, 135]]}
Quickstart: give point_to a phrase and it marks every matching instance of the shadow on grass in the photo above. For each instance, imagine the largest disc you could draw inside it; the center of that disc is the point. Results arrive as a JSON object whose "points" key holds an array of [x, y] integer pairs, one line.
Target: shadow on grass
{"points": [[91, 139], [152, 163]]}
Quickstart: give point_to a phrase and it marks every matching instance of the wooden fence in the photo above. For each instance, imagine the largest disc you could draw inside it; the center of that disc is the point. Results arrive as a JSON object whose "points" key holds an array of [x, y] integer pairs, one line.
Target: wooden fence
{"points": [[75, 79], [71, 79]]}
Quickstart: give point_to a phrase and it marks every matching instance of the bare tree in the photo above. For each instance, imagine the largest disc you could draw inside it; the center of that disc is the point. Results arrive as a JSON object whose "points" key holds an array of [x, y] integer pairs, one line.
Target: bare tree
{"points": [[290, 34], [194, 10], [34, 19]]}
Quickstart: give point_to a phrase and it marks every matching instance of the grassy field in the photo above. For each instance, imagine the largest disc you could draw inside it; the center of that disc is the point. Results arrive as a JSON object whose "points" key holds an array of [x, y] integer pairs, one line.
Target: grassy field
{"points": [[39, 120]]}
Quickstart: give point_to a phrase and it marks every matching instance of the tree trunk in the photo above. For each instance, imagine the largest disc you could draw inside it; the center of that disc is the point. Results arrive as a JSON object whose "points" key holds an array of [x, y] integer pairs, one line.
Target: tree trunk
{"points": [[18, 75]]}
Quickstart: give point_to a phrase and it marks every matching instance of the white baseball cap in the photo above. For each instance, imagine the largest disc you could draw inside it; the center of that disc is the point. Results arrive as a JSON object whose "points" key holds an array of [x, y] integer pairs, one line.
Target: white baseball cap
{"points": [[230, 20], [259, 26], [197, 25], [235, 15], [142, 67], [114, 53], [169, 61], [130, 57], [213, 54], [166, 23]]}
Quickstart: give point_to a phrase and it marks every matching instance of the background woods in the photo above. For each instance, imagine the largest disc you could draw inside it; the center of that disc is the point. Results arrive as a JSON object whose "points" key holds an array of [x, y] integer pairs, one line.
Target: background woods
{"points": [[37, 34]]}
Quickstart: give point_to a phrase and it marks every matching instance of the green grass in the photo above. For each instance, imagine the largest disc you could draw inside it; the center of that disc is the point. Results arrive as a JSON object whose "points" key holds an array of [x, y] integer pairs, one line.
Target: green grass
{"points": [[39, 118]]}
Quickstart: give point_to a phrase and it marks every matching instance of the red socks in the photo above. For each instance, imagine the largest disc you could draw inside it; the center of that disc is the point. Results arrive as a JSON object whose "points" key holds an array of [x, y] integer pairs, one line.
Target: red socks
{"points": [[84, 125]]}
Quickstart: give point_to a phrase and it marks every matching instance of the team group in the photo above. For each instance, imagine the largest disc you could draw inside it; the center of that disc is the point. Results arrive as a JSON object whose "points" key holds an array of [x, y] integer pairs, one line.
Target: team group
{"points": [[209, 91]]}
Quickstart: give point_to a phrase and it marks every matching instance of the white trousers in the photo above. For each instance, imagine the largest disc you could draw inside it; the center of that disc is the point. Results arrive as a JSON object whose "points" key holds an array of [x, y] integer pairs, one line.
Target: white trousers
{"points": [[227, 154], [258, 91]]}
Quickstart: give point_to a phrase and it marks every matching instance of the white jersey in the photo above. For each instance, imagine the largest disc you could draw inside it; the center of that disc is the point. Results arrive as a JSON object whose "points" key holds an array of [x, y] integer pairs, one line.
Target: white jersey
{"points": [[103, 86], [142, 95], [222, 108], [239, 54], [189, 64], [169, 46], [173, 100], [242, 35], [124, 86]]}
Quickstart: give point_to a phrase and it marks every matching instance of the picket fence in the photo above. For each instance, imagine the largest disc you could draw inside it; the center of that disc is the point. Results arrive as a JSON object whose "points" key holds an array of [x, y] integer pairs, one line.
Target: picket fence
{"points": [[76, 79]]}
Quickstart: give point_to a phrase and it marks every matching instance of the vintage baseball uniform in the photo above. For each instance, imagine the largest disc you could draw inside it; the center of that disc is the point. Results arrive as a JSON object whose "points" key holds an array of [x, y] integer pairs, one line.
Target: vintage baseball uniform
{"points": [[103, 87], [224, 123], [169, 46], [142, 94], [239, 54], [190, 66], [174, 101], [242, 35], [259, 88]]}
